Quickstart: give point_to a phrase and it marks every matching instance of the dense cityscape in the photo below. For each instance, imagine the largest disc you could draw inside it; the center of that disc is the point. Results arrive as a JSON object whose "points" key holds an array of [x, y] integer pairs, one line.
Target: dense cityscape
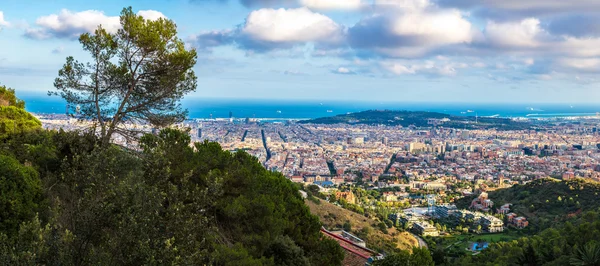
{"points": [[383, 156]]}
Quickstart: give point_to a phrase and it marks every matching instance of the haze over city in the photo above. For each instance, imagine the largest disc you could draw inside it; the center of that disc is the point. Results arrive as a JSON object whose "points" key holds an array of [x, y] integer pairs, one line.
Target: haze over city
{"points": [[381, 50]]}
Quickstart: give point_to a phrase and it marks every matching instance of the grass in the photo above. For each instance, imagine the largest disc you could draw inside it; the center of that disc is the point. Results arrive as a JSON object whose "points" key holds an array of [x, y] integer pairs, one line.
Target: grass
{"points": [[458, 243], [333, 217], [494, 237]]}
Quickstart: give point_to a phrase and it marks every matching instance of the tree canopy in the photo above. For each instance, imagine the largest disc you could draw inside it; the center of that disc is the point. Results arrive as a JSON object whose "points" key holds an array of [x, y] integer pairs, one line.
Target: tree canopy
{"points": [[571, 243], [8, 98], [20, 193], [418, 257], [138, 74], [13, 117], [170, 203]]}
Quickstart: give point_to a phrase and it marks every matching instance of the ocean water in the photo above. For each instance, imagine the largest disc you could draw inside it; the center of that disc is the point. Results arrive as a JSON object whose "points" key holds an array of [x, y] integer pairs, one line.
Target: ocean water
{"points": [[284, 109]]}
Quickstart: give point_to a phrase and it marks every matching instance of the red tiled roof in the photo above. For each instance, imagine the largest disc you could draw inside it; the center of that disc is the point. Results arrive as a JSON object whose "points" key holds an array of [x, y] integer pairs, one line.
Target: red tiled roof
{"points": [[349, 246]]}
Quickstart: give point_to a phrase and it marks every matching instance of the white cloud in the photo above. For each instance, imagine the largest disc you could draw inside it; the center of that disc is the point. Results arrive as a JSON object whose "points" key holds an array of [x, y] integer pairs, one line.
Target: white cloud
{"points": [[407, 5], [403, 33], [69, 24], [426, 67], [333, 4], [581, 47], [444, 27], [291, 25], [398, 69], [3, 23], [580, 64], [527, 37], [151, 14], [343, 71], [411, 28], [503, 9], [543, 4], [270, 30], [522, 34]]}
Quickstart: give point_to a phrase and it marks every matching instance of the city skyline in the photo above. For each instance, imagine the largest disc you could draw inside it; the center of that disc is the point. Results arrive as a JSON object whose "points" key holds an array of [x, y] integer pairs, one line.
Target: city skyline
{"points": [[406, 50]]}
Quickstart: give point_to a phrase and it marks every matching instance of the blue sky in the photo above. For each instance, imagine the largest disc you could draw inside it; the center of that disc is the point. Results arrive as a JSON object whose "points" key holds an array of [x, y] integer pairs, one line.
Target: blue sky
{"points": [[373, 50]]}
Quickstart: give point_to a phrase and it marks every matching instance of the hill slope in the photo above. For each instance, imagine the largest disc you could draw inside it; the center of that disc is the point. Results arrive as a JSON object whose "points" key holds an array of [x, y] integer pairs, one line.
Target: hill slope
{"points": [[334, 217], [66, 200], [13, 117], [563, 244], [546, 201]]}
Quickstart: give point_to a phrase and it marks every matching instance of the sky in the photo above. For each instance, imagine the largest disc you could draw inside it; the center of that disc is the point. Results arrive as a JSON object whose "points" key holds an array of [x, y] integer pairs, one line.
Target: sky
{"points": [[484, 51]]}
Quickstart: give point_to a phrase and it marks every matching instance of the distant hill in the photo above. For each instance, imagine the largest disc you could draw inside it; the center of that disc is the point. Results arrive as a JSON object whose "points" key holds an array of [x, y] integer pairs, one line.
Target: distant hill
{"points": [[333, 217], [546, 201], [421, 119]]}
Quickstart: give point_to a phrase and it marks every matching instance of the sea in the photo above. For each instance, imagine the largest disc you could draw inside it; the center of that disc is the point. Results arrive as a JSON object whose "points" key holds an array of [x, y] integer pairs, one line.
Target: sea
{"points": [[307, 109]]}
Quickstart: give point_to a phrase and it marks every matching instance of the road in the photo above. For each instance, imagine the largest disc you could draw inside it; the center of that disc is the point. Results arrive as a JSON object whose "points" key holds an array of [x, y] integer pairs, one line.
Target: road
{"points": [[422, 243]]}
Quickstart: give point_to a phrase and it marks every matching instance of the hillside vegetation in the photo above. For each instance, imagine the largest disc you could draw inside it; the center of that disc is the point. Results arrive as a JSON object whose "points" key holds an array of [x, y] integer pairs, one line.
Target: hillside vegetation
{"points": [[65, 199], [546, 201], [564, 244], [334, 217], [13, 117], [421, 119]]}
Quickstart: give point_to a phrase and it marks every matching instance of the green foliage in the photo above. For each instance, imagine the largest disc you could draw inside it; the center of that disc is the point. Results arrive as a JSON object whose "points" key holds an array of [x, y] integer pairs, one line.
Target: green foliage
{"points": [[140, 73], [286, 253], [588, 255], [420, 119], [419, 256], [8, 98], [15, 120], [171, 203], [20, 193], [13, 117], [566, 244], [550, 198], [347, 226]]}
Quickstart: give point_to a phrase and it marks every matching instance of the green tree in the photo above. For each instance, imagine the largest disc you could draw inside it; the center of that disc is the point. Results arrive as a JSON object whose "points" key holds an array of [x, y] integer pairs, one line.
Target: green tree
{"points": [[138, 74], [347, 226], [588, 255], [8, 98], [313, 190], [254, 210], [529, 257], [168, 204], [14, 120], [13, 117], [421, 256], [20, 194], [418, 257], [286, 253]]}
